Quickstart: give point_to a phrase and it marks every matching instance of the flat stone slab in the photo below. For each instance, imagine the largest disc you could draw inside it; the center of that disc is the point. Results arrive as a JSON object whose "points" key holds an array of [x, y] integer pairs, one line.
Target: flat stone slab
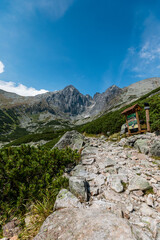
{"points": [[108, 162]]}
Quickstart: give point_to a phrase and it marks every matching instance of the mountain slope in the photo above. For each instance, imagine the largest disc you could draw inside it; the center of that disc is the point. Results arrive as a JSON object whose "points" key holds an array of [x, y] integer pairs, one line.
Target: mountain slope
{"points": [[55, 110]]}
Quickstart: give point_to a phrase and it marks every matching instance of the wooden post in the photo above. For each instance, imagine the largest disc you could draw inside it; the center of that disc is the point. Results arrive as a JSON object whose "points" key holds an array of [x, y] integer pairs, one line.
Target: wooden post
{"points": [[147, 120], [127, 125], [138, 122]]}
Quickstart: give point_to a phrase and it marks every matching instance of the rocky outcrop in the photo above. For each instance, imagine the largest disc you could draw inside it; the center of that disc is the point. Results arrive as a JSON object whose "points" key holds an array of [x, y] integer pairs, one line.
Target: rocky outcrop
{"points": [[147, 143], [136, 90], [123, 189], [85, 224], [72, 139]]}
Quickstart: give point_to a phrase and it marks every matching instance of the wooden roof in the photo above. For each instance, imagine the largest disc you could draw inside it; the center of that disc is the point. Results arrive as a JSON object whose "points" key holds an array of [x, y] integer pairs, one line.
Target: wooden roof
{"points": [[132, 109]]}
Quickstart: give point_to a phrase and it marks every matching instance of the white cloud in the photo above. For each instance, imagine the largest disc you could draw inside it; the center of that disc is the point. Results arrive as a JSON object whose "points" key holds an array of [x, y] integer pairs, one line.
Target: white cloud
{"points": [[1, 67], [143, 60], [20, 89], [53, 8]]}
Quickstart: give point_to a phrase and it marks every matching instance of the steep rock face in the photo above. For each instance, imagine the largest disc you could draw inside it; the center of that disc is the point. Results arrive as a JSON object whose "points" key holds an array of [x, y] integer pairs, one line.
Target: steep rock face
{"points": [[138, 89], [102, 101], [69, 100]]}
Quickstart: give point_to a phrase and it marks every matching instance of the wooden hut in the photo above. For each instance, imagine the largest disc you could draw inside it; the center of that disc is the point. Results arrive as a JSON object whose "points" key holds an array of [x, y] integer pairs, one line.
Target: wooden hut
{"points": [[132, 119]]}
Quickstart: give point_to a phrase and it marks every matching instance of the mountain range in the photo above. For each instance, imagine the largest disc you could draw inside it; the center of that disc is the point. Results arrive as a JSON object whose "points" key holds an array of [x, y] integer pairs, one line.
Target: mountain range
{"points": [[67, 106]]}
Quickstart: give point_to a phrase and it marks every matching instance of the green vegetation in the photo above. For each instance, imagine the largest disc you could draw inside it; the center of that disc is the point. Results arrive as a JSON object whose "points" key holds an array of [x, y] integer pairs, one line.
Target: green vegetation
{"points": [[112, 121], [148, 191], [8, 120], [31, 175], [47, 136]]}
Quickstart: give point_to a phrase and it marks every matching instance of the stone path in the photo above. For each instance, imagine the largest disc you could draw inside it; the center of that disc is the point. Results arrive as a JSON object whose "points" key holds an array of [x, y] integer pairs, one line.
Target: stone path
{"points": [[119, 190], [128, 183]]}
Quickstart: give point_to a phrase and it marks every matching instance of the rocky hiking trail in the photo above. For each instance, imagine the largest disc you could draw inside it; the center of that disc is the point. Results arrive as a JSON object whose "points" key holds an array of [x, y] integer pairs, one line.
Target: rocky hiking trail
{"points": [[114, 195]]}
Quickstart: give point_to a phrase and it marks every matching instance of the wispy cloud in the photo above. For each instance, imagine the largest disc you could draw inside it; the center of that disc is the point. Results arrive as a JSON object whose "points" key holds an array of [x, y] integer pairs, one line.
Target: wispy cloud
{"points": [[53, 8], [143, 60], [20, 89], [1, 67]]}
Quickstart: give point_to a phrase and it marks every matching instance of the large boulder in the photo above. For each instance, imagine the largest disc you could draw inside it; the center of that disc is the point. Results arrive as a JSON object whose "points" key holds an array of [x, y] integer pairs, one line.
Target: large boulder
{"points": [[85, 224], [72, 139], [155, 149]]}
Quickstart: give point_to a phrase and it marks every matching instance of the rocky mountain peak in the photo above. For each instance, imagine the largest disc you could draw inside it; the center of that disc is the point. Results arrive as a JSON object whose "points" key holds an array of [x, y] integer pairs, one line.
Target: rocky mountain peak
{"points": [[70, 89], [113, 88]]}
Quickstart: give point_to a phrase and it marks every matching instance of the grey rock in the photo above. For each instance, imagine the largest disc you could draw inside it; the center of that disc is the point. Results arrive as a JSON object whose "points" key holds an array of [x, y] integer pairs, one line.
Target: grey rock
{"points": [[123, 142], [141, 234], [130, 208], [138, 193], [94, 190], [99, 180], [85, 224], [131, 140], [89, 161], [11, 228], [66, 199], [138, 183], [108, 163], [150, 200], [72, 139], [79, 171], [142, 145], [79, 187], [89, 150], [147, 211], [124, 129], [155, 149], [158, 232], [110, 170], [111, 195], [116, 183]]}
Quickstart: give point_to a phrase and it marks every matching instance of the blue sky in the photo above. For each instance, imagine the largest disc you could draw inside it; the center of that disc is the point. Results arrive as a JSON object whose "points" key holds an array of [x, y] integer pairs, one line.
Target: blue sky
{"points": [[91, 44]]}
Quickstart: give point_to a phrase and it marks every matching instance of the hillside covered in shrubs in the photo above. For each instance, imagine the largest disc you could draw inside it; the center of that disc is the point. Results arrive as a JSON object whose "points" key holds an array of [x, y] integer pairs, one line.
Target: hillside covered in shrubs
{"points": [[30, 176]]}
